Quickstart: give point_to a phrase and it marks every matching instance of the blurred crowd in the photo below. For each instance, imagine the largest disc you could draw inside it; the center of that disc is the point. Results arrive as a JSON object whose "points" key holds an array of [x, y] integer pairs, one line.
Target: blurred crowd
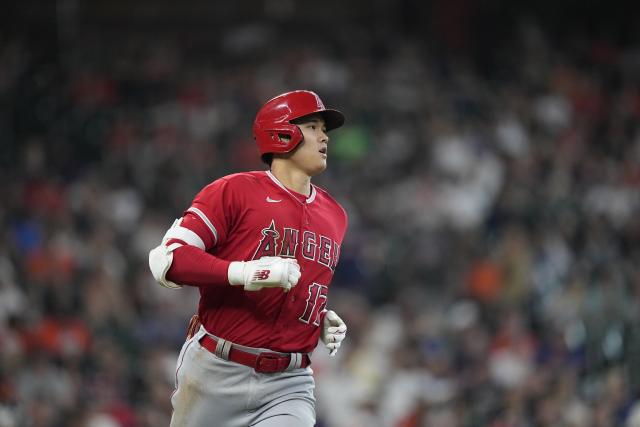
{"points": [[490, 275]]}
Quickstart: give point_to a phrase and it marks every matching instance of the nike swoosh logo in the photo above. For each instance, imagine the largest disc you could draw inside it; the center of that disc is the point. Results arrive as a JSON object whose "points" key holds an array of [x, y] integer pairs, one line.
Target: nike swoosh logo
{"points": [[270, 200]]}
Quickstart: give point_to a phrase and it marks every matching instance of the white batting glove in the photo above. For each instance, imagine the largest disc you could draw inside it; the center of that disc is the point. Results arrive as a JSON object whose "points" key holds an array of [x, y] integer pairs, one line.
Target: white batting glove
{"points": [[334, 330], [266, 272]]}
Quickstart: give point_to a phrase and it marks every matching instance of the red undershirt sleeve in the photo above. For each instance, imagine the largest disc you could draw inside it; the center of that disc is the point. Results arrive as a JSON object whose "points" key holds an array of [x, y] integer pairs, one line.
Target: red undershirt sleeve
{"points": [[194, 267]]}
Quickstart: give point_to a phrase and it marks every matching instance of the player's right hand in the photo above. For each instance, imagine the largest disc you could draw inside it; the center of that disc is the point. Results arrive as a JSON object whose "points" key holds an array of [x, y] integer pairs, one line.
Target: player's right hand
{"points": [[266, 272]]}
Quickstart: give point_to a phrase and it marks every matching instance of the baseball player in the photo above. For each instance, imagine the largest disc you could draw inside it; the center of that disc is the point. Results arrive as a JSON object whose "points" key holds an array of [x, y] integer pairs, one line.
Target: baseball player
{"points": [[262, 248]]}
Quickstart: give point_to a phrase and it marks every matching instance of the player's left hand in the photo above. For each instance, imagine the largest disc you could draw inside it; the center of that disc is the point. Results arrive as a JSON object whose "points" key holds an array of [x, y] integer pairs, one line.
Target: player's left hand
{"points": [[334, 330]]}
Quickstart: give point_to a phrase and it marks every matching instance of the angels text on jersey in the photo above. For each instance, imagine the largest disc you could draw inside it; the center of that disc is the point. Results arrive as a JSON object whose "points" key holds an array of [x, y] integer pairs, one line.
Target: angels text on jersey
{"points": [[319, 248]]}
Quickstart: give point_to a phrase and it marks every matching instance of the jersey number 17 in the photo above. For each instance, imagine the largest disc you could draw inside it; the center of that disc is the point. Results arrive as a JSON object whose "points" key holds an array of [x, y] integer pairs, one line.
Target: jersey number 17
{"points": [[316, 301]]}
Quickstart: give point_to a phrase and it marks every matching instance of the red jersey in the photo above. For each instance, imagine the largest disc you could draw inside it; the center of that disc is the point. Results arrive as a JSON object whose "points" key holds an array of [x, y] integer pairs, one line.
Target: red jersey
{"points": [[251, 215]]}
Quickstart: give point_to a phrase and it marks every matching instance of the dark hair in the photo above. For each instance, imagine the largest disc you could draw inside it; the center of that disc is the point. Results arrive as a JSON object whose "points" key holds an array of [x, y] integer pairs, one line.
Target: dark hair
{"points": [[267, 158]]}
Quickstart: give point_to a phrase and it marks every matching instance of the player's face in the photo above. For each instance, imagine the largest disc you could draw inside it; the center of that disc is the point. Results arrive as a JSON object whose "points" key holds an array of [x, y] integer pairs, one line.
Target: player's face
{"points": [[311, 154]]}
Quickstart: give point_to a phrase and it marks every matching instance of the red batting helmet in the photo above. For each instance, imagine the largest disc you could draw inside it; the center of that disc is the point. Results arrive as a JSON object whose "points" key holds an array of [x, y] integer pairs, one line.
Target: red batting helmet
{"points": [[275, 116]]}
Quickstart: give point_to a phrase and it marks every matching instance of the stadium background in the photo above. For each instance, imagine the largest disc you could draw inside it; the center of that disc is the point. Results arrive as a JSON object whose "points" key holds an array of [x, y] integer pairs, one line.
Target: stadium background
{"points": [[490, 167]]}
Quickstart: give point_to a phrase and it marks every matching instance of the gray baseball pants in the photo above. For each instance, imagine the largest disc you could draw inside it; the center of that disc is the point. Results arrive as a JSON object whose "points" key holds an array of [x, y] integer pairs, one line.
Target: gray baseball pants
{"points": [[213, 392]]}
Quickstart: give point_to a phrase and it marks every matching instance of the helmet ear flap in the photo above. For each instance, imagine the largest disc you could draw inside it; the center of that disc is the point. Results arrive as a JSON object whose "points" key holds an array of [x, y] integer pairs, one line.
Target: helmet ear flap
{"points": [[281, 138]]}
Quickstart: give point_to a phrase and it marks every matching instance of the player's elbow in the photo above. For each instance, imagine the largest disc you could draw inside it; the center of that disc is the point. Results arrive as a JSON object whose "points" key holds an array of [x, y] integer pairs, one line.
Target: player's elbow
{"points": [[160, 259]]}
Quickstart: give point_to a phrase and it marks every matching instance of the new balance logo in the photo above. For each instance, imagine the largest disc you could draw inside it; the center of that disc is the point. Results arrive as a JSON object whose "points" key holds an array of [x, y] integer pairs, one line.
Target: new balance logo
{"points": [[261, 275], [270, 200]]}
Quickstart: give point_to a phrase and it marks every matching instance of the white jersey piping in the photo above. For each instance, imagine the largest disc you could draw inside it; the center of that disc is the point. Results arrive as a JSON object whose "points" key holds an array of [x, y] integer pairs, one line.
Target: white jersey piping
{"points": [[204, 219]]}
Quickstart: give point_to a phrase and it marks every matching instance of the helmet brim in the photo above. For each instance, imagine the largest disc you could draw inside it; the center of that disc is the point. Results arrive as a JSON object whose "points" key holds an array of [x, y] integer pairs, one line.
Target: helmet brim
{"points": [[333, 119]]}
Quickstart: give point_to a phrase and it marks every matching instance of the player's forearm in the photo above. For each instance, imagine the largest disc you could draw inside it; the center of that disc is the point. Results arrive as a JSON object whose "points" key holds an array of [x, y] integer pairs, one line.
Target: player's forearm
{"points": [[194, 267]]}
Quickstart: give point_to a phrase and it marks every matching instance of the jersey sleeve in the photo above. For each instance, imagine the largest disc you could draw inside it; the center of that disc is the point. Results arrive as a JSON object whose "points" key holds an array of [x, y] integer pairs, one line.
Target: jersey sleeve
{"points": [[210, 216], [215, 206], [190, 221]]}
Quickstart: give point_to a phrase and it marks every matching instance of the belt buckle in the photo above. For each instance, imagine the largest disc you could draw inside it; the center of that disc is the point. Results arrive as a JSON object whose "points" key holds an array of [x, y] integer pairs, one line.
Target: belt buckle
{"points": [[267, 363]]}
